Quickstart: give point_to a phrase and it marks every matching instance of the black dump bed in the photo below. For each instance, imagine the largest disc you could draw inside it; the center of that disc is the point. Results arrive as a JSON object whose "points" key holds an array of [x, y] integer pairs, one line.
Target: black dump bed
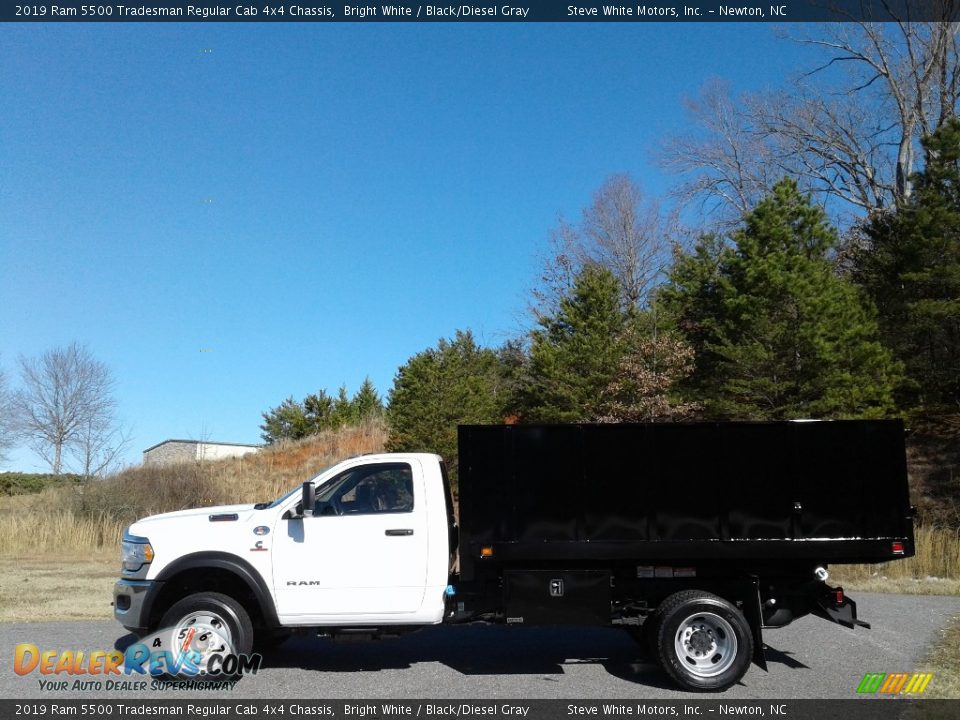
{"points": [[828, 492]]}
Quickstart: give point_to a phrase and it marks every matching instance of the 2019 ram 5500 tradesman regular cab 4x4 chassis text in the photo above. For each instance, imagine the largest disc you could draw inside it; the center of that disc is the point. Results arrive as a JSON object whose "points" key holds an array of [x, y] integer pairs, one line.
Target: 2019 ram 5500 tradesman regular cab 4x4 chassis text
{"points": [[694, 537]]}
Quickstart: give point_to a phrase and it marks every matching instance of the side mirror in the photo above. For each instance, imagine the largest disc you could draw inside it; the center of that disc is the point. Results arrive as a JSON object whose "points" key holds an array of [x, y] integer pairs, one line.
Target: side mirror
{"points": [[309, 498]]}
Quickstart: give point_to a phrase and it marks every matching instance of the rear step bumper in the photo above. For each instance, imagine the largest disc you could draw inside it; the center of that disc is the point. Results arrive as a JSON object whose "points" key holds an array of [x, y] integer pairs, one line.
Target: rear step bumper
{"points": [[843, 612]]}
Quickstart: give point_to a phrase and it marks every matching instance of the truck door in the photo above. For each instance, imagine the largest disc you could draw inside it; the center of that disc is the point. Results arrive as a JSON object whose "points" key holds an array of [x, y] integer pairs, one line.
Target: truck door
{"points": [[363, 552]]}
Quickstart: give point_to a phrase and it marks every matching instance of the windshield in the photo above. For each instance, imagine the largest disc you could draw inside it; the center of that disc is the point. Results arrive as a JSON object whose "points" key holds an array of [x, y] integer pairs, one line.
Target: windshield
{"points": [[283, 498]]}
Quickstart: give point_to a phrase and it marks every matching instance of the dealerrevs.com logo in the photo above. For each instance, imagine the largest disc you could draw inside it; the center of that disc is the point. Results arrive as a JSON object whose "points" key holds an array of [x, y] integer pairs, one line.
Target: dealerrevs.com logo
{"points": [[196, 656]]}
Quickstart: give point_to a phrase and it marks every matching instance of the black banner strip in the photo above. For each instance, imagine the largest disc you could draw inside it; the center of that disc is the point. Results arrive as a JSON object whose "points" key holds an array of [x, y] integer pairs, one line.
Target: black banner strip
{"points": [[298, 11]]}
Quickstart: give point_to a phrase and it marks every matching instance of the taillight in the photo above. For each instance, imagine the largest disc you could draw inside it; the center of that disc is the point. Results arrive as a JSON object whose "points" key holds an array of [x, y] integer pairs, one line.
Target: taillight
{"points": [[896, 547], [838, 596]]}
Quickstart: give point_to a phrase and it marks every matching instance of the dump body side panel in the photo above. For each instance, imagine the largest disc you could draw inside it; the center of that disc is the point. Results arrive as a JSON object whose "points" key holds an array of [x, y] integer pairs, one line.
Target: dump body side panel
{"points": [[689, 493]]}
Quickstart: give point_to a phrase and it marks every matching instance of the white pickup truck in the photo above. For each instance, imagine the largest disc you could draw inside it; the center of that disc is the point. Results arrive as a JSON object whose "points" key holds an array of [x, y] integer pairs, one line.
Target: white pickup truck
{"points": [[689, 536]]}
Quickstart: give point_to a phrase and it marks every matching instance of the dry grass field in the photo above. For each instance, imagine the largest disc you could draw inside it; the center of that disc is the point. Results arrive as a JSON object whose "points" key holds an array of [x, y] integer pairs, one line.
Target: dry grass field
{"points": [[79, 520], [944, 662], [934, 570], [35, 589]]}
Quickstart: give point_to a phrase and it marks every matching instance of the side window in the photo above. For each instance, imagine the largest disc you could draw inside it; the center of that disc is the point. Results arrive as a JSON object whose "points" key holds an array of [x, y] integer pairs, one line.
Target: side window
{"points": [[370, 489]]}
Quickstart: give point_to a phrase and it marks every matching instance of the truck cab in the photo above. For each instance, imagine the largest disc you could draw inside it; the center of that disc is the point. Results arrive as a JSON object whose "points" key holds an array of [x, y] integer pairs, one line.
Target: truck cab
{"points": [[363, 544]]}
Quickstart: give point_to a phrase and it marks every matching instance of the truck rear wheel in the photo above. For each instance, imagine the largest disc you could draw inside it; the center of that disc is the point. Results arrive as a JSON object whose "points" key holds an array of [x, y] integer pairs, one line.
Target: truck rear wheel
{"points": [[702, 641], [207, 624]]}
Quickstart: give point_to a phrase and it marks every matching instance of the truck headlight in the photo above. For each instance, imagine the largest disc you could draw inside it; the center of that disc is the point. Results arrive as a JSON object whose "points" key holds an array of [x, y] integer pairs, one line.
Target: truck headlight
{"points": [[135, 552]]}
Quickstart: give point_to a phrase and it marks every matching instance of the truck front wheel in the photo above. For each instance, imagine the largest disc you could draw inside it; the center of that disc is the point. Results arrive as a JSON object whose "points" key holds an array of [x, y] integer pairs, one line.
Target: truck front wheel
{"points": [[702, 641], [208, 624]]}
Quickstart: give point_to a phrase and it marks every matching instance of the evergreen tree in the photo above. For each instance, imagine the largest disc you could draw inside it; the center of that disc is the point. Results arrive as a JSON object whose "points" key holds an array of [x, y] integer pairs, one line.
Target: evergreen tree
{"points": [[287, 420], [319, 411], [912, 271], [575, 352], [596, 360], [777, 333], [342, 413], [366, 403], [689, 301], [437, 389]]}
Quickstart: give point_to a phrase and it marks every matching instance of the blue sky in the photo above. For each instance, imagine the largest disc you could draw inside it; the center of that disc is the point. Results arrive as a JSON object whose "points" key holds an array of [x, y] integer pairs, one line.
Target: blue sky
{"points": [[311, 204]]}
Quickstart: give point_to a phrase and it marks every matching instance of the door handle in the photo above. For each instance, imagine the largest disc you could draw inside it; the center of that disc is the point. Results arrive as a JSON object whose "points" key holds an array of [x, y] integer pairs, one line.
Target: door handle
{"points": [[398, 532]]}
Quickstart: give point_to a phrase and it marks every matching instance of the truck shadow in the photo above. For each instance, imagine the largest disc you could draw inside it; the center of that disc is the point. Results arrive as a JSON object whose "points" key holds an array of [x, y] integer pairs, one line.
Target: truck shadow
{"points": [[478, 650], [483, 650]]}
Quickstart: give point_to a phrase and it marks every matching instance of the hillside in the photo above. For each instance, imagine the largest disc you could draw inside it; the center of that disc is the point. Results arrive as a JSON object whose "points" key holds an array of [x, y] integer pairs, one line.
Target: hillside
{"points": [[933, 461], [91, 517]]}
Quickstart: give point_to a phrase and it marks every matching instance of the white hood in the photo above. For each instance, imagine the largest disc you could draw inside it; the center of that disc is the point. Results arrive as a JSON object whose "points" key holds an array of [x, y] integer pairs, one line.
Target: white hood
{"points": [[193, 515]]}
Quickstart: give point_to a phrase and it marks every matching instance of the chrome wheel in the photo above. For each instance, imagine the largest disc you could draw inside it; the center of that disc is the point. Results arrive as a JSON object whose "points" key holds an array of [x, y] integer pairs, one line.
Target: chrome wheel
{"points": [[705, 645]]}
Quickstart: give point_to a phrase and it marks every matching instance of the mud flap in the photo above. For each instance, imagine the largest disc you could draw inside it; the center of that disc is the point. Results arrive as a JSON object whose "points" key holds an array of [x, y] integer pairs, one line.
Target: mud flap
{"points": [[752, 612], [843, 613]]}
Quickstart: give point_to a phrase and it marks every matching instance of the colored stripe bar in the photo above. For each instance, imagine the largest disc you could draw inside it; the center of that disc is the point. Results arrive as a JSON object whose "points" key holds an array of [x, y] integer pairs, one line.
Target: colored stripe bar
{"points": [[871, 682], [901, 680], [889, 682]]}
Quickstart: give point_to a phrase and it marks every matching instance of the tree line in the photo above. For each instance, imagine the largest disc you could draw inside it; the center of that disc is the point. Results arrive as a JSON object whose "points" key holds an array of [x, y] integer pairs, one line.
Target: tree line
{"points": [[754, 324], [295, 419], [819, 276], [757, 323]]}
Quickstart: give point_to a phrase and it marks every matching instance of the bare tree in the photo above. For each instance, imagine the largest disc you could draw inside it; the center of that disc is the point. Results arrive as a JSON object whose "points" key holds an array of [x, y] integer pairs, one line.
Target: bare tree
{"points": [[620, 230], [558, 268], [65, 402], [838, 148], [7, 427], [727, 163], [99, 446], [907, 74], [626, 233], [848, 130]]}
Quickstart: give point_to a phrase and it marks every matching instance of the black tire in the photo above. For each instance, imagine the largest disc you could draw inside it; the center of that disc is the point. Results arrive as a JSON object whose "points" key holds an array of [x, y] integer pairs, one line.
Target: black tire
{"points": [[229, 617], [702, 641], [651, 628]]}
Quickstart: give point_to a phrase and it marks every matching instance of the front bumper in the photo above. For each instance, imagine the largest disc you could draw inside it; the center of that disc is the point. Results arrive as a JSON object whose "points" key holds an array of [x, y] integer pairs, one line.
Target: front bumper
{"points": [[131, 602]]}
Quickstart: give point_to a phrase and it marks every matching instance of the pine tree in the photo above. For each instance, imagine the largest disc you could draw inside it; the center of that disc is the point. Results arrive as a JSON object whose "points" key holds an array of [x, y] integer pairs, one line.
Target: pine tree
{"points": [[596, 360], [366, 403], [912, 271], [342, 413], [574, 353], [777, 333], [437, 389], [318, 409], [286, 421]]}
